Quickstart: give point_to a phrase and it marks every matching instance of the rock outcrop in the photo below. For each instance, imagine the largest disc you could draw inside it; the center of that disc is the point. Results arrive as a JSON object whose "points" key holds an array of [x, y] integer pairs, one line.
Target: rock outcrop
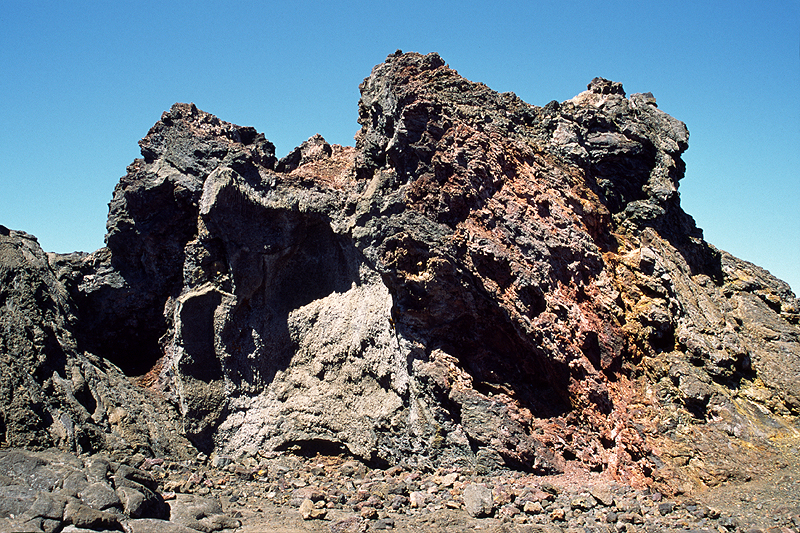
{"points": [[54, 395], [479, 282]]}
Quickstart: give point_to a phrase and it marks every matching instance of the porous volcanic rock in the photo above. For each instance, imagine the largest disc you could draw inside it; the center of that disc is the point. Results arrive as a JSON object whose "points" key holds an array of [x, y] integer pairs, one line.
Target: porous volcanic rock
{"points": [[480, 283]]}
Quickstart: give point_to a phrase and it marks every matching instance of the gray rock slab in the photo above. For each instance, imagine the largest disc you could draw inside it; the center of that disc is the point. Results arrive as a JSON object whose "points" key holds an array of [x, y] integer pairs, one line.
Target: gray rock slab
{"points": [[83, 516], [100, 496]]}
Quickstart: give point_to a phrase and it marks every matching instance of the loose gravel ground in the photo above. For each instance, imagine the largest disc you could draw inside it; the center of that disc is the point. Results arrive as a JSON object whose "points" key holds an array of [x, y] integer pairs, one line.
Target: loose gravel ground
{"points": [[282, 493], [344, 496]]}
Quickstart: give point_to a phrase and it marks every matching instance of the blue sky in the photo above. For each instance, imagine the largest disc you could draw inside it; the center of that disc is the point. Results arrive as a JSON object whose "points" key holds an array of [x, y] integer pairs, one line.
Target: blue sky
{"points": [[82, 82]]}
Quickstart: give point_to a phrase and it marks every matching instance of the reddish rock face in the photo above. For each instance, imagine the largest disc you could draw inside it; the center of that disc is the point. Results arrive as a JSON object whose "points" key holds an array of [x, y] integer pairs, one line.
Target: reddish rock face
{"points": [[479, 283], [570, 284]]}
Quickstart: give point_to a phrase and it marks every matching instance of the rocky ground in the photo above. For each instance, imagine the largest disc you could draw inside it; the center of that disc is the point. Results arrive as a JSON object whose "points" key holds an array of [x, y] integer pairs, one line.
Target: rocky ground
{"points": [[53, 491]]}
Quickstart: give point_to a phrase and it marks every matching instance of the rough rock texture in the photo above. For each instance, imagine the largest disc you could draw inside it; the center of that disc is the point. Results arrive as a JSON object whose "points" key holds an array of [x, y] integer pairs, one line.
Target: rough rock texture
{"points": [[479, 282], [51, 393], [45, 491], [478, 500]]}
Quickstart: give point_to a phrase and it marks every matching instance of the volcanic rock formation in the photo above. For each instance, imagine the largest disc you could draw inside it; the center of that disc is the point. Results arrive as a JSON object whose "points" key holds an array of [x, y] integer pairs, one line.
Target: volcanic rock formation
{"points": [[479, 282]]}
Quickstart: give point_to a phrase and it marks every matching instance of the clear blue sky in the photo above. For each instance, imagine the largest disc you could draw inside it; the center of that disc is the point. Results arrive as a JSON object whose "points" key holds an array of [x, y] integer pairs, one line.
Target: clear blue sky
{"points": [[82, 82]]}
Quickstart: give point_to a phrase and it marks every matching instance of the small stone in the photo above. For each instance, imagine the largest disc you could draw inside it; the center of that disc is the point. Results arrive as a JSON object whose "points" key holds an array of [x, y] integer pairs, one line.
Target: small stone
{"points": [[174, 485], [369, 513], [666, 508], [116, 415], [549, 488], [629, 506], [372, 501], [533, 508], [384, 523], [502, 496], [478, 500], [308, 511], [603, 496], [558, 514], [509, 510], [449, 480], [417, 499], [393, 471], [150, 462], [309, 492], [583, 503], [349, 468], [221, 461], [611, 517], [147, 525], [244, 472], [541, 495], [630, 518], [398, 501]]}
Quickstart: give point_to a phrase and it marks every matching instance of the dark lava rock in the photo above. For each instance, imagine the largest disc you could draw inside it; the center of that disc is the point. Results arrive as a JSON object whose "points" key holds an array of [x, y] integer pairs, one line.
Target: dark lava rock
{"points": [[33, 497]]}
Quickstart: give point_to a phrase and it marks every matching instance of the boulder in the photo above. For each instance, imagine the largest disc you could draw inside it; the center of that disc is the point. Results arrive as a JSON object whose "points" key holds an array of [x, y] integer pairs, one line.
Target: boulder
{"points": [[478, 500]]}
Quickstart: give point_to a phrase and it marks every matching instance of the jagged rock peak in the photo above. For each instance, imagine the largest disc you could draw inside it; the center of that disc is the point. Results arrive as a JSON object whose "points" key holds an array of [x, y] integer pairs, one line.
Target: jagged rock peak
{"points": [[411, 101], [604, 86], [185, 120]]}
